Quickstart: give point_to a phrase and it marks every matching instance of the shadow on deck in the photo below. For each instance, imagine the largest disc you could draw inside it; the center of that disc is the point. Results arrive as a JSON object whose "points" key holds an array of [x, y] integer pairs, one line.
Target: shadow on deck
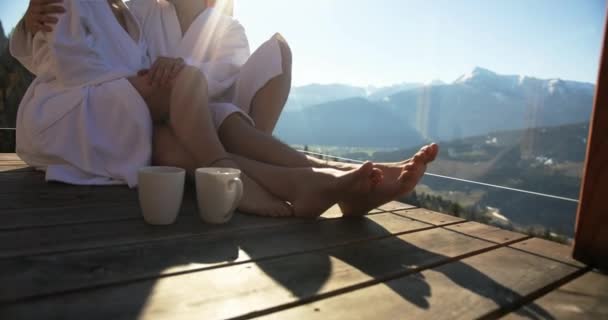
{"points": [[85, 252]]}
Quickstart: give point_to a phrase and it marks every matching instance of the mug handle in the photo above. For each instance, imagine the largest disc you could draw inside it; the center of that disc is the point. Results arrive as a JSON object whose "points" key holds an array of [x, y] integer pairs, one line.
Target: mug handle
{"points": [[238, 194]]}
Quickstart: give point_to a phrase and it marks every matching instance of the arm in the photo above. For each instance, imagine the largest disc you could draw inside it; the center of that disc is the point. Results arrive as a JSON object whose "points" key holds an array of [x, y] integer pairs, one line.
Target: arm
{"points": [[71, 57], [39, 15], [21, 46], [38, 18]]}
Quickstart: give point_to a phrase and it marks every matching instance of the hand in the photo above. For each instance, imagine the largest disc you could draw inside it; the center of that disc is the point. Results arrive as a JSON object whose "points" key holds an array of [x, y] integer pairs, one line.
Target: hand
{"points": [[141, 83], [164, 70], [38, 16]]}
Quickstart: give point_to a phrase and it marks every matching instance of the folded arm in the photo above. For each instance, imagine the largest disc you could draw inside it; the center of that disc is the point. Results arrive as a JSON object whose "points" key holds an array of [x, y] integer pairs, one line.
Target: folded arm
{"points": [[40, 16]]}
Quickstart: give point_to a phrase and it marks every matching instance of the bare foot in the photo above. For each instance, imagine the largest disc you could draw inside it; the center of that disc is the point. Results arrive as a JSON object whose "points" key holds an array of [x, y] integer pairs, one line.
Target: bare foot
{"points": [[392, 171], [257, 200], [317, 190], [399, 179]]}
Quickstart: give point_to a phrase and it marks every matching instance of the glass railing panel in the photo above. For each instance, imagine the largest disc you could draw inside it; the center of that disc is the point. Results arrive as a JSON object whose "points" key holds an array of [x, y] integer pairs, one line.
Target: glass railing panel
{"points": [[506, 89]]}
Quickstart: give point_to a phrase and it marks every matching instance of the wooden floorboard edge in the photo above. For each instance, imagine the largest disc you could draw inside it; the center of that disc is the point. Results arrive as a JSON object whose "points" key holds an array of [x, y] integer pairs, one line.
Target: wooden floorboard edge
{"points": [[530, 298], [109, 206], [481, 238], [74, 223], [139, 242], [230, 264], [550, 258], [376, 281], [400, 209], [108, 220], [488, 240], [175, 237], [446, 224]]}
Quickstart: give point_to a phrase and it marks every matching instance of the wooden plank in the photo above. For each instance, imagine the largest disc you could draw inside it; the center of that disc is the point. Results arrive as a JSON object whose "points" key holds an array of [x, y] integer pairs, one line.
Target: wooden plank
{"points": [[584, 298], [29, 190], [335, 212], [431, 217], [51, 217], [32, 181], [7, 163], [488, 233], [465, 289], [79, 197], [22, 176], [396, 205], [9, 157], [41, 275], [17, 168], [64, 238], [67, 235], [591, 238], [235, 290], [29, 202], [548, 249]]}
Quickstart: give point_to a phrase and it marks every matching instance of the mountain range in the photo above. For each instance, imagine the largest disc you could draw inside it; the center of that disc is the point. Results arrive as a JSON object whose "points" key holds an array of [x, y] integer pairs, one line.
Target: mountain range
{"points": [[408, 114]]}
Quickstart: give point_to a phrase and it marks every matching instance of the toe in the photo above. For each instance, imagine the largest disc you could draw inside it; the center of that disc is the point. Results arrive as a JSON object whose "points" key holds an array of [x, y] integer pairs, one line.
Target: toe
{"points": [[435, 151], [428, 152], [419, 158], [366, 169], [376, 177]]}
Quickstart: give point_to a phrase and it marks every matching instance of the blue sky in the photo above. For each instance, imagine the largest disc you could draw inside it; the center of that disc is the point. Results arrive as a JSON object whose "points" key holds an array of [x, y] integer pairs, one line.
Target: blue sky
{"points": [[381, 42]]}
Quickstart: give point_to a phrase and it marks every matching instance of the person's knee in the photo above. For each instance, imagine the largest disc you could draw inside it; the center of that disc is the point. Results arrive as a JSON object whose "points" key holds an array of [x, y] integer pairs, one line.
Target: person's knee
{"points": [[286, 55], [191, 78]]}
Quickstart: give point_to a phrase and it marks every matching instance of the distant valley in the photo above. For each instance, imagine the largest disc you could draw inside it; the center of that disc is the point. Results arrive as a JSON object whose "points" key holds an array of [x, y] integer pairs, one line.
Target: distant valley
{"points": [[410, 114]]}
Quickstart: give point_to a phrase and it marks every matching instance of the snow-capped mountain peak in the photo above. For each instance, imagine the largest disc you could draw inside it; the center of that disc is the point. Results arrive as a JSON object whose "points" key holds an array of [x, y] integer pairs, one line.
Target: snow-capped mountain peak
{"points": [[487, 79], [476, 74]]}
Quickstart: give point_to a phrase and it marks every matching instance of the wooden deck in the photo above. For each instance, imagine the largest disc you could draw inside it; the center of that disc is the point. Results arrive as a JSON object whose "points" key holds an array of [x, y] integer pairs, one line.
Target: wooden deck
{"points": [[85, 253]]}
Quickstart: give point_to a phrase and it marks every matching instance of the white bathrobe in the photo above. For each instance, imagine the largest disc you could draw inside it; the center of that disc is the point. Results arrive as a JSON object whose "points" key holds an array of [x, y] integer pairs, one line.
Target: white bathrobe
{"points": [[81, 120], [214, 43], [217, 45]]}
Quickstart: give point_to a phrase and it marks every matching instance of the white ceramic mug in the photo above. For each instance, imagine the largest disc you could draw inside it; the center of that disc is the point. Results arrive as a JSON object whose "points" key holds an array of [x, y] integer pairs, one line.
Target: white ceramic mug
{"points": [[161, 190], [218, 193]]}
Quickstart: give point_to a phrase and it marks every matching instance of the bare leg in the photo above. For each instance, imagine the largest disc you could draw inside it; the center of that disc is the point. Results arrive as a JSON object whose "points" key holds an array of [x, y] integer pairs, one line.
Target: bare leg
{"points": [[184, 104], [190, 119], [312, 191], [168, 151], [319, 163], [268, 102], [190, 139], [265, 109], [239, 137], [398, 179]]}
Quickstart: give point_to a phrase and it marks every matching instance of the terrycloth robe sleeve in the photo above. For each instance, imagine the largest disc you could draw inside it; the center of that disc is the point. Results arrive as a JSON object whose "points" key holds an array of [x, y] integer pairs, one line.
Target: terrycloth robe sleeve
{"points": [[74, 58], [21, 46], [228, 53], [63, 54]]}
